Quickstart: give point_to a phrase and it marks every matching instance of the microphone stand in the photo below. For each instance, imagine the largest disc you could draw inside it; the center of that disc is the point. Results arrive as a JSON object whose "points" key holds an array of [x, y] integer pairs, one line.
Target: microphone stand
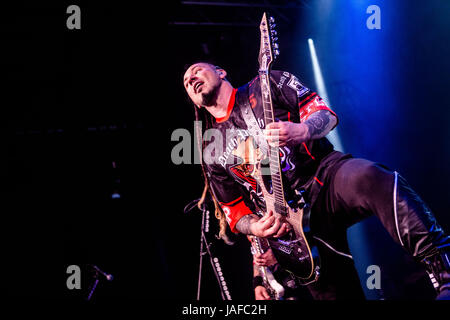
{"points": [[97, 272], [204, 244]]}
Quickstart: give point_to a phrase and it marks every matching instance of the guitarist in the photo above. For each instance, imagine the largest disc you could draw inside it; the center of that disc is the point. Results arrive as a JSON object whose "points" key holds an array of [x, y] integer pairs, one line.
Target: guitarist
{"points": [[341, 190]]}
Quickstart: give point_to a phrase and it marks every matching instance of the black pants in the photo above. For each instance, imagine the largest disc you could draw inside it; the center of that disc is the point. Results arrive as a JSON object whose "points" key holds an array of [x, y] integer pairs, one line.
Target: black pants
{"points": [[354, 189]]}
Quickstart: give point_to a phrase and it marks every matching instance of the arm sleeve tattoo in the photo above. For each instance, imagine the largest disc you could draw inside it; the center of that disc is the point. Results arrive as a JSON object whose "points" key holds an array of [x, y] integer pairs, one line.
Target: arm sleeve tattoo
{"points": [[243, 225], [320, 123]]}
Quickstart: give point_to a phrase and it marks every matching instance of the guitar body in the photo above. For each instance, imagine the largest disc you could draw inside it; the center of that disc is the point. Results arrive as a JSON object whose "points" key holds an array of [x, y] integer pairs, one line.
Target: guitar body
{"points": [[292, 250]]}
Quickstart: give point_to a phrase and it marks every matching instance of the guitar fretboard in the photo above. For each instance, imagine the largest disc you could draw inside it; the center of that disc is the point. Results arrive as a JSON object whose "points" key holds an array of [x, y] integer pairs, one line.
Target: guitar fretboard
{"points": [[274, 158]]}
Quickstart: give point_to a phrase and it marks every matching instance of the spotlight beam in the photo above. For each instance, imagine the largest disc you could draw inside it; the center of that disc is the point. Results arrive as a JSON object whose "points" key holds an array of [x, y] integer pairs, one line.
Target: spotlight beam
{"points": [[333, 136]]}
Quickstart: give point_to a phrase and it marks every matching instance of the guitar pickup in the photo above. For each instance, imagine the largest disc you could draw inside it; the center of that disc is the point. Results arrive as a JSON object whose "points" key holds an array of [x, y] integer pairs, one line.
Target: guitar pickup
{"points": [[285, 249]]}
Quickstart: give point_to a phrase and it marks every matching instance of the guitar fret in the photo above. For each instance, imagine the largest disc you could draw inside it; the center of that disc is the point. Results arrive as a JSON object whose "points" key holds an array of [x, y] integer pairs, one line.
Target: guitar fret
{"points": [[277, 185], [274, 155], [276, 180], [274, 165], [278, 188], [277, 191], [278, 194], [279, 201]]}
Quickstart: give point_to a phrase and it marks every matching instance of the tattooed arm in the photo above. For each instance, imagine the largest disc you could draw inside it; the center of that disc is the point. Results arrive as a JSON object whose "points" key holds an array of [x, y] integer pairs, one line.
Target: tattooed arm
{"points": [[244, 223], [318, 125]]}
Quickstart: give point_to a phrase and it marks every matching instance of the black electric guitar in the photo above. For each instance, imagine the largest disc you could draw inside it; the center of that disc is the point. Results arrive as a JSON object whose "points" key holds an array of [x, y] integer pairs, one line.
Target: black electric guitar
{"points": [[292, 251]]}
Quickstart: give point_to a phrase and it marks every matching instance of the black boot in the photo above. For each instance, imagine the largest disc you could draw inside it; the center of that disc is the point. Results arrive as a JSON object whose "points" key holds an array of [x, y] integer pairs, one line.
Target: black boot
{"points": [[438, 268]]}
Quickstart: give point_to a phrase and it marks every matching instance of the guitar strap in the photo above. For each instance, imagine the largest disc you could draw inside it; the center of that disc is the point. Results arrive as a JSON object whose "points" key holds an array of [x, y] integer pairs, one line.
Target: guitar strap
{"points": [[252, 123]]}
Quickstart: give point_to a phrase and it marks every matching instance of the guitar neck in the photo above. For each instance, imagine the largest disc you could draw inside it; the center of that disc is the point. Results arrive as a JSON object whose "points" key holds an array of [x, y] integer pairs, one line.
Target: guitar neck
{"points": [[274, 158]]}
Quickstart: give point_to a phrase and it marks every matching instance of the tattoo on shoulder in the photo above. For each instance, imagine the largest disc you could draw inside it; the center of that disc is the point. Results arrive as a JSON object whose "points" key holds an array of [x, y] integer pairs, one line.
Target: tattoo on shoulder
{"points": [[243, 225], [319, 124]]}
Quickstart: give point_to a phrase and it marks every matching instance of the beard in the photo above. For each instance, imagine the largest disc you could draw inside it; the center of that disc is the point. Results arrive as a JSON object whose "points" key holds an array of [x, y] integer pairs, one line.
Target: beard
{"points": [[209, 98]]}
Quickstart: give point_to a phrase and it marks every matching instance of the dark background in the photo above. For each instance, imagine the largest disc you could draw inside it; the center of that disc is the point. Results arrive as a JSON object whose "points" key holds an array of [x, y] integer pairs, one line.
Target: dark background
{"points": [[76, 101]]}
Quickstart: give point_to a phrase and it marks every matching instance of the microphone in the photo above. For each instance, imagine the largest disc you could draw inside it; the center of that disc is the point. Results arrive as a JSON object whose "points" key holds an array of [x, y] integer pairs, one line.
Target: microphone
{"points": [[108, 277]]}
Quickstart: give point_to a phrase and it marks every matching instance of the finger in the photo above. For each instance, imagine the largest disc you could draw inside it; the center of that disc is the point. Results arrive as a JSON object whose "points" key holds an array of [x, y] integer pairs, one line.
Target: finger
{"points": [[276, 134], [271, 133], [277, 141], [275, 138], [273, 229], [261, 262], [281, 231], [261, 259], [266, 295], [266, 216], [274, 125], [268, 223], [288, 227]]}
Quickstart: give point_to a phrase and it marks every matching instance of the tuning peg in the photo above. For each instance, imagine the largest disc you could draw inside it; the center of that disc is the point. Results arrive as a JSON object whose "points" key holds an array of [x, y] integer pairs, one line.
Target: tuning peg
{"points": [[275, 39], [271, 20], [274, 32], [276, 52], [275, 45]]}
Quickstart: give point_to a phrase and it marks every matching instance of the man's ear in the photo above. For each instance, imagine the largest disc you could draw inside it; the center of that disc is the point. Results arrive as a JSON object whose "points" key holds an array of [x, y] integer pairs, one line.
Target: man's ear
{"points": [[222, 73]]}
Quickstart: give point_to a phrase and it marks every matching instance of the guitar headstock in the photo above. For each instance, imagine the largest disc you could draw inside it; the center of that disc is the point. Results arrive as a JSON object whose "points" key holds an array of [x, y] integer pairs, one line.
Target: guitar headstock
{"points": [[268, 50]]}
